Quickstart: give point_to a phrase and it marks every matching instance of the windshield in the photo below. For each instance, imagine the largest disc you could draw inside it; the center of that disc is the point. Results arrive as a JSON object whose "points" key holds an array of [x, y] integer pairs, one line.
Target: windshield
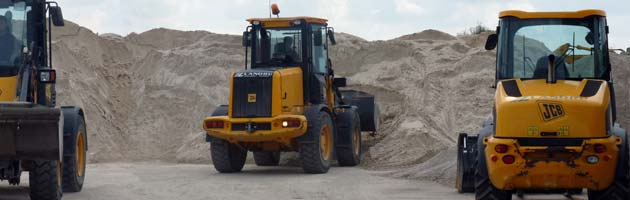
{"points": [[576, 44], [12, 35], [277, 47]]}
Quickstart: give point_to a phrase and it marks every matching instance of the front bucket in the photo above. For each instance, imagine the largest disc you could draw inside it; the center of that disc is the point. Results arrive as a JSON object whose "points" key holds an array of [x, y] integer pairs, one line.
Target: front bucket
{"points": [[30, 132]]}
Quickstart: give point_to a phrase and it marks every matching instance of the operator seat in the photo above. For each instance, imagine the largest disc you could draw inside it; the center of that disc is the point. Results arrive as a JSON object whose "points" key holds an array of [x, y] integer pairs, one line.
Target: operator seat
{"points": [[542, 67]]}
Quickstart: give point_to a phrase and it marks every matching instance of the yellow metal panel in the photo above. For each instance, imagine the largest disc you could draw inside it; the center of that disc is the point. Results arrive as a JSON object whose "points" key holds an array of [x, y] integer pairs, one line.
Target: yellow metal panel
{"points": [[287, 20], [276, 94], [231, 94], [277, 24], [330, 94], [292, 94], [8, 87], [276, 134], [552, 15], [569, 171], [582, 117]]}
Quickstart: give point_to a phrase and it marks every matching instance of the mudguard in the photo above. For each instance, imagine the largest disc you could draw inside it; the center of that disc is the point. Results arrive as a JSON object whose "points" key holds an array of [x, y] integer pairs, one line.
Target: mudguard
{"points": [[30, 132], [622, 166], [367, 108], [343, 123], [487, 130], [466, 155], [72, 116]]}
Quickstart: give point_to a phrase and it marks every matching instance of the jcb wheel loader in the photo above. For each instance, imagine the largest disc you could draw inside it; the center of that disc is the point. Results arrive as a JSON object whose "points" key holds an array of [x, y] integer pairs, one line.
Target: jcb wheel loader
{"points": [[289, 100], [554, 124], [49, 142]]}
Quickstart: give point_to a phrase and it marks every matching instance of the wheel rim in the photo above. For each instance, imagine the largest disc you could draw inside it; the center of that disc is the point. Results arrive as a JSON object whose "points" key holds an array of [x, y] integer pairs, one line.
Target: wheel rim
{"points": [[59, 173], [357, 141], [325, 142], [80, 154]]}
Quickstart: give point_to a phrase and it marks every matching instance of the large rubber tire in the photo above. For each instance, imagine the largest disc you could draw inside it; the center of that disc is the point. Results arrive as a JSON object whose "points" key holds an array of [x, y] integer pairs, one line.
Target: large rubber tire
{"points": [[464, 181], [74, 166], [45, 180], [263, 158], [227, 157], [317, 150], [348, 147], [484, 190], [620, 188]]}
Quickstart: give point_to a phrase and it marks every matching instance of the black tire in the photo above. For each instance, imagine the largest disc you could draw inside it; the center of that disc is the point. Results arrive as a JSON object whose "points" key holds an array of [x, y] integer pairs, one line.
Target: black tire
{"points": [[227, 157], [314, 160], [620, 188], [348, 147], [263, 158], [484, 190], [74, 166], [464, 180], [45, 180]]}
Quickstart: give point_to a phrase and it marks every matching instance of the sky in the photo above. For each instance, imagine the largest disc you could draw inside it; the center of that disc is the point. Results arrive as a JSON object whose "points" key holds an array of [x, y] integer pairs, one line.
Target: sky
{"points": [[369, 19]]}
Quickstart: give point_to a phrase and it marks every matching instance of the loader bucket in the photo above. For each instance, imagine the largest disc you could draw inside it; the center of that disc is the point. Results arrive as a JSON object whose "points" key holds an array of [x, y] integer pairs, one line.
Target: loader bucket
{"points": [[30, 132]]}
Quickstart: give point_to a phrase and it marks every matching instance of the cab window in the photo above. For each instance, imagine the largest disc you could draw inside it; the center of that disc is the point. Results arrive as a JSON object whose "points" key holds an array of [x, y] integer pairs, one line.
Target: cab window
{"points": [[320, 49]]}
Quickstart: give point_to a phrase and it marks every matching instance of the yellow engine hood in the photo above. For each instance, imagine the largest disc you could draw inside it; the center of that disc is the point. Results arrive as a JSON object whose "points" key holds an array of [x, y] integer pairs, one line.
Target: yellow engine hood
{"points": [[8, 87], [566, 109]]}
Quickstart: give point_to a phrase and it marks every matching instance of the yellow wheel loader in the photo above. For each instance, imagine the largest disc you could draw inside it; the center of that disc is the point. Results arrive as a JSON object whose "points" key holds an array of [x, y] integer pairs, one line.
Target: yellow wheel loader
{"points": [[554, 124], [49, 142], [287, 99]]}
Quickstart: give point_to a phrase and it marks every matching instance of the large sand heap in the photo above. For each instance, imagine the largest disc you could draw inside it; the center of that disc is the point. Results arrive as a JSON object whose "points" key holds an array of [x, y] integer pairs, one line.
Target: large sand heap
{"points": [[146, 94]]}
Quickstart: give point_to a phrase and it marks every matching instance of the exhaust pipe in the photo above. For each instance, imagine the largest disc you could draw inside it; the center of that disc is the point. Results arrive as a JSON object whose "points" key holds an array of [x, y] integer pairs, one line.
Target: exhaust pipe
{"points": [[551, 71]]}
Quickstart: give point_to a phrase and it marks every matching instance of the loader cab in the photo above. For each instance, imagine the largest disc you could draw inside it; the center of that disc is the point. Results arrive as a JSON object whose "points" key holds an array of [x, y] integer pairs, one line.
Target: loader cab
{"points": [[25, 43], [570, 47], [302, 42], [576, 41]]}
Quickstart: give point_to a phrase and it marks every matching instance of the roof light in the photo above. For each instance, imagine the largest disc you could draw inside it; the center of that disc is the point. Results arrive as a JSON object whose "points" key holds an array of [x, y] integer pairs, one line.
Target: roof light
{"points": [[275, 9]]}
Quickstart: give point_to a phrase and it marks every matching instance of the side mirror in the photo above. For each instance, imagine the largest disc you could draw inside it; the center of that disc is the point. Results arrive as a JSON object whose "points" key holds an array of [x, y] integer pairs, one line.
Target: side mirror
{"points": [[339, 82], [246, 40], [56, 15], [492, 41], [331, 36], [317, 38]]}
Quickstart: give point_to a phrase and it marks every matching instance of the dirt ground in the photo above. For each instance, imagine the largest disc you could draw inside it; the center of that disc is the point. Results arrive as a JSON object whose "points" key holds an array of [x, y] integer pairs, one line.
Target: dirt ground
{"points": [[156, 181]]}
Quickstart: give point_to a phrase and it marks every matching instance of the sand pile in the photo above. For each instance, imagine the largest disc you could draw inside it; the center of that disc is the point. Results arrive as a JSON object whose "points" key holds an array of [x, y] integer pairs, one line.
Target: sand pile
{"points": [[146, 94]]}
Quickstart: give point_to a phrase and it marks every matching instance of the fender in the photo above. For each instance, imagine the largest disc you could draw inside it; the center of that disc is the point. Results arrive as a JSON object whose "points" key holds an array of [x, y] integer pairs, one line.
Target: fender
{"points": [[622, 165], [71, 116], [487, 130], [342, 140]]}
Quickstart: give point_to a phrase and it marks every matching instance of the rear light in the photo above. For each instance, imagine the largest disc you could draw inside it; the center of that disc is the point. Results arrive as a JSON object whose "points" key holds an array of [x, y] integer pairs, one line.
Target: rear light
{"points": [[291, 123], [214, 124], [501, 148], [494, 158], [509, 159], [599, 148]]}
